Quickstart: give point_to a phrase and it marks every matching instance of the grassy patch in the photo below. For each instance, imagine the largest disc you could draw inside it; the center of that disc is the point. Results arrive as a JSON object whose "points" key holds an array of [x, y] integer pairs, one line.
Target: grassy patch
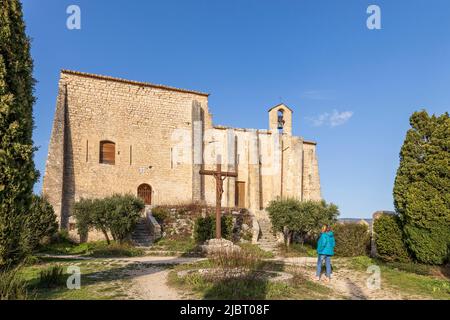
{"points": [[182, 245], [305, 289], [12, 285], [297, 250], [256, 250], [94, 249], [52, 277], [100, 279], [417, 284], [409, 278]]}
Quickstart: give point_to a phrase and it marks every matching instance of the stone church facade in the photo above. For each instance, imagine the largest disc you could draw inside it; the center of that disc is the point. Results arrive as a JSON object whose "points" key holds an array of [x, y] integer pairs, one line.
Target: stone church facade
{"points": [[118, 136]]}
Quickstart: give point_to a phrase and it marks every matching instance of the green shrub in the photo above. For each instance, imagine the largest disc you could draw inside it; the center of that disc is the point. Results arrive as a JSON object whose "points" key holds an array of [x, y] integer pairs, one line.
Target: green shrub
{"points": [[40, 224], [389, 241], [352, 239], [123, 216], [117, 215], [52, 277], [291, 216], [422, 187], [205, 228], [160, 214], [83, 212], [62, 236], [12, 285], [17, 170], [429, 245]]}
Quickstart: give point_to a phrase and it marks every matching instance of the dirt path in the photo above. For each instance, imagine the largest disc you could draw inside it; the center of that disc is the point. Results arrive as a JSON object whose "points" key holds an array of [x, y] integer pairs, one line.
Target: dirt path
{"points": [[348, 283], [150, 275], [151, 284]]}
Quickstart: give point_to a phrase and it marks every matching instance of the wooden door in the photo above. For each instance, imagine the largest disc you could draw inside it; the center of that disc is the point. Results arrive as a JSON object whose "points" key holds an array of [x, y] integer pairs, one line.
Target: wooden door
{"points": [[145, 193], [240, 194]]}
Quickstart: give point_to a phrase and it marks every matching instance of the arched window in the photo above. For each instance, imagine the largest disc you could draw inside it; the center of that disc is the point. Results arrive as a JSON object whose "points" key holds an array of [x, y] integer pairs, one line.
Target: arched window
{"points": [[107, 152]]}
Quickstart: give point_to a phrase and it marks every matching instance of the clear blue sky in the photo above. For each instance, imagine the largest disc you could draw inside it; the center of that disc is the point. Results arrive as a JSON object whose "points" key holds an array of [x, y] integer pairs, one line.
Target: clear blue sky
{"points": [[352, 89]]}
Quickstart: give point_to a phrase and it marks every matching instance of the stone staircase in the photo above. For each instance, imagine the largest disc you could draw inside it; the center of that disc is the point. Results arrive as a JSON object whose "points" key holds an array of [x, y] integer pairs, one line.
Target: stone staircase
{"points": [[267, 240], [142, 236]]}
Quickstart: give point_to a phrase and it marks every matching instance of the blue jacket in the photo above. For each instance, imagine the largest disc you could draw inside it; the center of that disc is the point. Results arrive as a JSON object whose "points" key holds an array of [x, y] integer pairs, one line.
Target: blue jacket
{"points": [[326, 244]]}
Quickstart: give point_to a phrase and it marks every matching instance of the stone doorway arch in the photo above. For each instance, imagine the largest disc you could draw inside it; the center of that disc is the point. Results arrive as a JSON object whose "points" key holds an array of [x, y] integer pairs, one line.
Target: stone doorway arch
{"points": [[144, 192]]}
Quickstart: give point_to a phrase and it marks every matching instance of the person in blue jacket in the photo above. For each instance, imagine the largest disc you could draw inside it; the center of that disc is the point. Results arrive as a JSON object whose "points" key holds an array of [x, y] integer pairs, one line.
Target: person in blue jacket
{"points": [[325, 250]]}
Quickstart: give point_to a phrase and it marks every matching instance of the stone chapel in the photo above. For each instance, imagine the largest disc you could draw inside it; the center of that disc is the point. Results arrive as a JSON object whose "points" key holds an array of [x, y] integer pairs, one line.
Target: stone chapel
{"points": [[119, 136]]}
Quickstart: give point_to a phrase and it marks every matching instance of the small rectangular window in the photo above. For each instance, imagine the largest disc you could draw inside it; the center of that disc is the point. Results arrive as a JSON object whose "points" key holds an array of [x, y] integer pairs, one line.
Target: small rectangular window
{"points": [[87, 150]]}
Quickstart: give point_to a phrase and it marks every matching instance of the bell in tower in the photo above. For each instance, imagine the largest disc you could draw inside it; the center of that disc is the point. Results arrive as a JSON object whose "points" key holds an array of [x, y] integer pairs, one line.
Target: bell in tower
{"points": [[280, 119]]}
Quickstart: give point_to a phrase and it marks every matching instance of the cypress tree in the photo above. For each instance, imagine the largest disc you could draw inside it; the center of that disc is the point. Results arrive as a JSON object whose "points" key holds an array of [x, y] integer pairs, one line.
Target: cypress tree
{"points": [[422, 187], [17, 171]]}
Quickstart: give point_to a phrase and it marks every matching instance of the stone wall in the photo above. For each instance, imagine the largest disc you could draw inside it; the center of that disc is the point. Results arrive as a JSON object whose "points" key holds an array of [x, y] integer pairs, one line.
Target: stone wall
{"points": [[140, 119], [179, 221]]}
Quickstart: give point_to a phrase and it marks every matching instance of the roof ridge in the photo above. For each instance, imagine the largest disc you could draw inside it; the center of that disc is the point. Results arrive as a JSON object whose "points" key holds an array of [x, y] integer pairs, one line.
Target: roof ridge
{"points": [[147, 84]]}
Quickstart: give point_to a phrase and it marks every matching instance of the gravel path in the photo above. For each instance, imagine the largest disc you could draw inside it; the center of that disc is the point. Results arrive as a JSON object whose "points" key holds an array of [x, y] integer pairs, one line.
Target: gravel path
{"points": [[150, 283]]}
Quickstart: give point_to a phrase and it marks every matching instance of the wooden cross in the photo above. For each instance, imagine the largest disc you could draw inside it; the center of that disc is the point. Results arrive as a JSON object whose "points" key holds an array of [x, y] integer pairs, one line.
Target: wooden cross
{"points": [[220, 176]]}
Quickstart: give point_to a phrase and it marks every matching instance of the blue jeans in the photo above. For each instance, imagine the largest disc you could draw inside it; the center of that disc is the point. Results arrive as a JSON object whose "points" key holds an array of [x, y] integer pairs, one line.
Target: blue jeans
{"points": [[327, 264]]}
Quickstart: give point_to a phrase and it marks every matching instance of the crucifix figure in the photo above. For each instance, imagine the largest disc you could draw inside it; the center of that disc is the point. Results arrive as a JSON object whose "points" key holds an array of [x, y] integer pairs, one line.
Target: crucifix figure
{"points": [[220, 176]]}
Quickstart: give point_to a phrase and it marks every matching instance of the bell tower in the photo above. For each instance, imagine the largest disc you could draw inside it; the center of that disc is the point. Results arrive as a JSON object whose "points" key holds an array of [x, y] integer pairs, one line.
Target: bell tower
{"points": [[280, 119]]}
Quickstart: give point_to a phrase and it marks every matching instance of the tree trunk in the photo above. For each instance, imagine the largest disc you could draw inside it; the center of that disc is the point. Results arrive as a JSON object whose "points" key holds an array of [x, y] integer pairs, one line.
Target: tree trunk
{"points": [[106, 237], [287, 237]]}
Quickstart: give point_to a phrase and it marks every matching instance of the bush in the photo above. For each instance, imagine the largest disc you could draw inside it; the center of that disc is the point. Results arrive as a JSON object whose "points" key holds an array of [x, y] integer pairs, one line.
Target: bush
{"points": [[62, 236], [429, 245], [40, 224], [117, 215], [291, 216], [422, 188], [17, 170], [52, 277], [205, 228], [124, 214], [160, 214], [12, 285], [388, 236], [352, 239], [83, 212]]}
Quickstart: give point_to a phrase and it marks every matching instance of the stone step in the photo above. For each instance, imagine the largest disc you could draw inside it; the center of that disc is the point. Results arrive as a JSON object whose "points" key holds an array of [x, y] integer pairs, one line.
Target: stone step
{"points": [[141, 235], [267, 240]]}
